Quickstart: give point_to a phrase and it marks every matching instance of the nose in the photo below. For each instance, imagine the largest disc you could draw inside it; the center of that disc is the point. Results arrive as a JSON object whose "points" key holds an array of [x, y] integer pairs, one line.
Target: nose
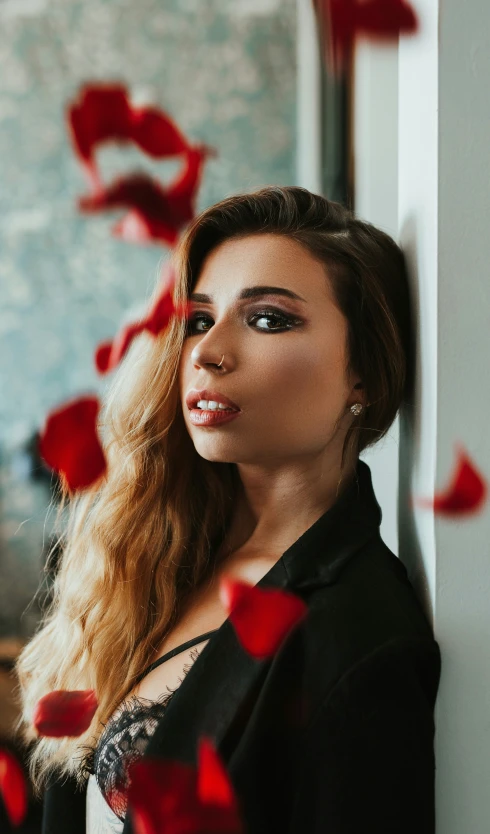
{"points": [[209, 350]]}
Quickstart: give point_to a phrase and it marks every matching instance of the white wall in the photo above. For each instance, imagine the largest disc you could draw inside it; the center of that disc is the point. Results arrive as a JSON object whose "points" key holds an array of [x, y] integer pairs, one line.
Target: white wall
{"points": [[376, 200], [308, 100], [444, 205]]}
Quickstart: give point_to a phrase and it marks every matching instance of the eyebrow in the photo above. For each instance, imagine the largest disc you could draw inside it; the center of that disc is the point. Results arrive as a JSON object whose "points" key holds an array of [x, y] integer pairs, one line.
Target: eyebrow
{"points": [[249, 292]]}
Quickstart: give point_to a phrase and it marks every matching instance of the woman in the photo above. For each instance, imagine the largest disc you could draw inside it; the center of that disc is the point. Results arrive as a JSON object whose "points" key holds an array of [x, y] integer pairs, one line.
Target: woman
{"points": [[299, 322]]}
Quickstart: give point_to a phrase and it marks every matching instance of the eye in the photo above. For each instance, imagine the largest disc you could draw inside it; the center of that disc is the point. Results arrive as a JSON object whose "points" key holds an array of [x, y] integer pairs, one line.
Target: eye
{"points": [[284, 321]]}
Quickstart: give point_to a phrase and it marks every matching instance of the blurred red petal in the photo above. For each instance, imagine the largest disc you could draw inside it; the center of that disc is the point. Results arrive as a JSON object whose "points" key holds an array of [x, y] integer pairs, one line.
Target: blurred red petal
{"points": [[386, 18], [340, 21], [135, 191], [102, 357], [13, 787], [213, 783], [101, 113], [134, 227], [156, 133], [182, 192], [262, 618], [466, 493], [70, 445], [153, 215], [109, 354], [65, 713], [161, 795], [159, 316]]}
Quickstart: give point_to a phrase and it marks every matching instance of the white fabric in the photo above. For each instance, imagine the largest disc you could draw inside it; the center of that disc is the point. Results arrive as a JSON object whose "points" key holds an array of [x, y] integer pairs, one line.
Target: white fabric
{"points": [[100, 819]]}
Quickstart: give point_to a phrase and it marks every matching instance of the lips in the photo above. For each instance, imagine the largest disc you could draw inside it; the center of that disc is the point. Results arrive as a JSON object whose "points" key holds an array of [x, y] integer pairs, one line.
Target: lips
{"points": [[193, 397]]}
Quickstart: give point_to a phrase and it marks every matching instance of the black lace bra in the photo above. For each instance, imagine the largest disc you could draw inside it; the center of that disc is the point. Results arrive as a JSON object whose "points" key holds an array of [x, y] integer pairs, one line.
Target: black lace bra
{"points": [[126, 735]]}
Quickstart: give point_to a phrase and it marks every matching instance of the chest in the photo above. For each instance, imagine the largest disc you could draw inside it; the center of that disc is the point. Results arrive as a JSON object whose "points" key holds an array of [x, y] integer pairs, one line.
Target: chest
{"points": [[204, 612]]}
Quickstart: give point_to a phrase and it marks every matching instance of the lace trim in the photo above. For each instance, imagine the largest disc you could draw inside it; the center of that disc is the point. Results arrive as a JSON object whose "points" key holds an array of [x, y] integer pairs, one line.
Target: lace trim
{"points": [[123, 740]]}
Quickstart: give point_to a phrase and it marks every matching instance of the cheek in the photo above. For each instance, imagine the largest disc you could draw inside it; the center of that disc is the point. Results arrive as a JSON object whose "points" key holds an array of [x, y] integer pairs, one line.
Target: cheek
{"points": [[299, 371]]}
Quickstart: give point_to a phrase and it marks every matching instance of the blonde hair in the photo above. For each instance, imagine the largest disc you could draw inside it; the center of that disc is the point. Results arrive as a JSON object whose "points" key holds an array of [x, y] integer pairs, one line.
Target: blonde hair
{"points": [[142, 540]]}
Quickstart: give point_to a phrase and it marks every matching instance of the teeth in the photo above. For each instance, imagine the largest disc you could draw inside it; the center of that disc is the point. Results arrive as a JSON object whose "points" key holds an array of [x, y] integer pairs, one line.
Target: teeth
{"points": [[212, 405]]}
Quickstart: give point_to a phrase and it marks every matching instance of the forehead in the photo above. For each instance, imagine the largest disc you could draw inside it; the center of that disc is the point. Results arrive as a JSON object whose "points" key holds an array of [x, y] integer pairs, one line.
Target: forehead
{"points": [[265, 259]]}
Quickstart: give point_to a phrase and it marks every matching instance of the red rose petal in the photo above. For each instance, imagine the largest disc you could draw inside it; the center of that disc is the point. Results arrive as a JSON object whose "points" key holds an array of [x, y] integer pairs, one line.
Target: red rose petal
{"points": [[13, 787], [213, 783], [156, 213], [156, 133], [102, 357], [161, 796], [70, 445], [135, 227], [466, 493], [386, 19], [101, 113], [163, 799], [182, 192], [109, 354], [104, 113], [65, 712], [340, 21], [262, 618]]}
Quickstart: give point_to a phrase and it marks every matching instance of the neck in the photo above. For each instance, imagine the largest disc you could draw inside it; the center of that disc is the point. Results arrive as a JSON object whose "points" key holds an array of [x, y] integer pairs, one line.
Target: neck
{"points": [[265, 522]]}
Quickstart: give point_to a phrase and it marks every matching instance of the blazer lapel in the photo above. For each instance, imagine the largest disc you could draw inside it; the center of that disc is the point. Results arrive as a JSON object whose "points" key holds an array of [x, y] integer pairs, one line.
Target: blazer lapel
{"points": [[214, 697]]}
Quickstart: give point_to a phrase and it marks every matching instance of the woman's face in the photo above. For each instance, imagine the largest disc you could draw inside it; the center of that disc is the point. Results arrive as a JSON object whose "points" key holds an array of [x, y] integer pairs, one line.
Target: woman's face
{"points": [[284, 357]]}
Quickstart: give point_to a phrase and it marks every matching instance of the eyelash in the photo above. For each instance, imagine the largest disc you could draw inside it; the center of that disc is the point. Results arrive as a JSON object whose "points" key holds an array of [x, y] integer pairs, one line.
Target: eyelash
{"points": [[291, 321]]}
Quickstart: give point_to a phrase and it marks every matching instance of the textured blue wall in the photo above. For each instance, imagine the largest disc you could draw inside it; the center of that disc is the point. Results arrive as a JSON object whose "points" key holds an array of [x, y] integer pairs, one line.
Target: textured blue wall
{"points": [[225, 71]]}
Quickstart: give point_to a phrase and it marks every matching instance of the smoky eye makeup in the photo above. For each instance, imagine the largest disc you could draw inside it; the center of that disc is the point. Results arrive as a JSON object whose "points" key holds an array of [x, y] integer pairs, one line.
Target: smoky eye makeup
{"points": [[281, 320]]}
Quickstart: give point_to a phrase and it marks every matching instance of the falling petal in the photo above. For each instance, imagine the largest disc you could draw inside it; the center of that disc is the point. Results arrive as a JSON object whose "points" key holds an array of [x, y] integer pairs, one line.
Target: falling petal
{"points": [[109, 354], [13, 787], [466, 493], [341, 21], [262, 618], [70, 445], [65, 713], [136, 227], [213, 783], [156, 213], [386, 19], [161, 795], [156, 133], [103, 112]]}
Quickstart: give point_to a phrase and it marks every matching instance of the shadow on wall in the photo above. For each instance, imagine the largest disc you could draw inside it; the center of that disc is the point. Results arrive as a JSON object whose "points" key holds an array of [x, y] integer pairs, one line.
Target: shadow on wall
{"points": [[410, 549]]}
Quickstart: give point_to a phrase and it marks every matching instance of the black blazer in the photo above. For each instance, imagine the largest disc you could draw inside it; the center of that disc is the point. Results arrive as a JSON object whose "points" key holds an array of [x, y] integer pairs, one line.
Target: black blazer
{"points": [[335, 733]]}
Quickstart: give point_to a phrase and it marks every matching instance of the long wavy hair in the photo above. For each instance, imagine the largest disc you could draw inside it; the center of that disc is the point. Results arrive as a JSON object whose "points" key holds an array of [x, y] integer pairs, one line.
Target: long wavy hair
{"points": [[146, 536]]}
